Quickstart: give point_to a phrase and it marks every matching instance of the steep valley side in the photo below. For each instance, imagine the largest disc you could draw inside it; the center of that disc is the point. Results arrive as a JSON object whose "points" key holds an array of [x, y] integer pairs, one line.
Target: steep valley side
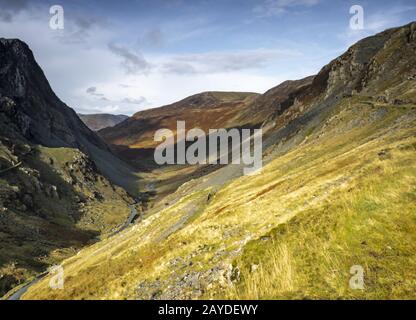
{"points": [[58, 179]]}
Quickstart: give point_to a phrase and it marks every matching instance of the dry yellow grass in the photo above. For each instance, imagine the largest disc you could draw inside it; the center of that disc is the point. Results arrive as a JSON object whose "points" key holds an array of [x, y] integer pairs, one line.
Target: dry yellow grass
{"points": [[340, 198], [277, 275]]}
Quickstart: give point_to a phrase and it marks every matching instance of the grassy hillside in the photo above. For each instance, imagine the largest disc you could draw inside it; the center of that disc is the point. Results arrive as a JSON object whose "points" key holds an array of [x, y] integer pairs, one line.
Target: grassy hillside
{"points": [[343, 196], [205, 110], [52, 204], [337, 190], [356, 209]]}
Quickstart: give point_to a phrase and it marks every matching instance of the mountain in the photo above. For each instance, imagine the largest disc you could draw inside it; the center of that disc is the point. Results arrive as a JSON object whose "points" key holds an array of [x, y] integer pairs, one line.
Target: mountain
{"points": [[206, 110], [56, 191], [133, 139], [38, 115], [100, 121], [335, 197]]}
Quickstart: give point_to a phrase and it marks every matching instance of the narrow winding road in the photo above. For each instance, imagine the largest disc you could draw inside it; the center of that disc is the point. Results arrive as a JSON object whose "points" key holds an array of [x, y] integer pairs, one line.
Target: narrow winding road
{"points": [[133, 215], [18, 294]]}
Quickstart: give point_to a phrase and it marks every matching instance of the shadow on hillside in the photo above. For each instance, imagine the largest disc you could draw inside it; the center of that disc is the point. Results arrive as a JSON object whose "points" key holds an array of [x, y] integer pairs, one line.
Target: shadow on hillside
{"points": [[41, 218], [171, 176]]}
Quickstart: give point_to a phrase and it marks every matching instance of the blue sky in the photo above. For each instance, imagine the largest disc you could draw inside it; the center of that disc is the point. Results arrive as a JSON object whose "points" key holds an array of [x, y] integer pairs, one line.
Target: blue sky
{"points": [[126, 56]]}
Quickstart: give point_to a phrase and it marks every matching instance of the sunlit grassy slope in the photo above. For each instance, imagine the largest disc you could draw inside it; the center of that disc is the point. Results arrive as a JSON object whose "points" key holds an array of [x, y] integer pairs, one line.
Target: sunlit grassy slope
{"points": [[343, 196]]}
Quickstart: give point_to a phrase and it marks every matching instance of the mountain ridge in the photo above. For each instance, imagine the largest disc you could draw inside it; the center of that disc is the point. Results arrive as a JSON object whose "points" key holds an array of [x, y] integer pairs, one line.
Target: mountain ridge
{"points": [[206, 104]]}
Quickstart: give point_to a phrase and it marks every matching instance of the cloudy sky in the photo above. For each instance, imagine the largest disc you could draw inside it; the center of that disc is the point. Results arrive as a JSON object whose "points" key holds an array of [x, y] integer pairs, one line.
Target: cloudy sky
{"points": [[125, 56]]}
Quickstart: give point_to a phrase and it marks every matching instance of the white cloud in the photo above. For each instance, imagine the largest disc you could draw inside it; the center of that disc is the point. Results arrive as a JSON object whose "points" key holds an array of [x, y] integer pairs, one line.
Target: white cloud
{"points": [[93, 91], [271, 8], [137, 101], [220, 62], [9, 8], [132, 62]]}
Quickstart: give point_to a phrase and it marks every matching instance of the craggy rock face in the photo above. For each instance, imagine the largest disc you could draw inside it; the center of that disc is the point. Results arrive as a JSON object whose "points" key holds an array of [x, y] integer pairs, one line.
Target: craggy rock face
{"points": [[30, 110], [28, 102], [383, 60], [14, 55]]}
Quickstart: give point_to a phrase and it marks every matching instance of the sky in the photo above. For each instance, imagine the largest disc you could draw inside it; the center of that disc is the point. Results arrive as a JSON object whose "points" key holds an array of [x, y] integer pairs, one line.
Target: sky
{"points": [[121, 57]]}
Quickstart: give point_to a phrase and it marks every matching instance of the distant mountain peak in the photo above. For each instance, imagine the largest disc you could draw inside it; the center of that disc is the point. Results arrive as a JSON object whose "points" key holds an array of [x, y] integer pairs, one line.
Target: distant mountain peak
{"points": [[100, 121]]}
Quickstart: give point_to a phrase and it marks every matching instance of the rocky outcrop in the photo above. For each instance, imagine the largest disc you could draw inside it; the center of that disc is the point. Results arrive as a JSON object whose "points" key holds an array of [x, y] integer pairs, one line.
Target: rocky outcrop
{"points": [[28, 101], [372, 63]]}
